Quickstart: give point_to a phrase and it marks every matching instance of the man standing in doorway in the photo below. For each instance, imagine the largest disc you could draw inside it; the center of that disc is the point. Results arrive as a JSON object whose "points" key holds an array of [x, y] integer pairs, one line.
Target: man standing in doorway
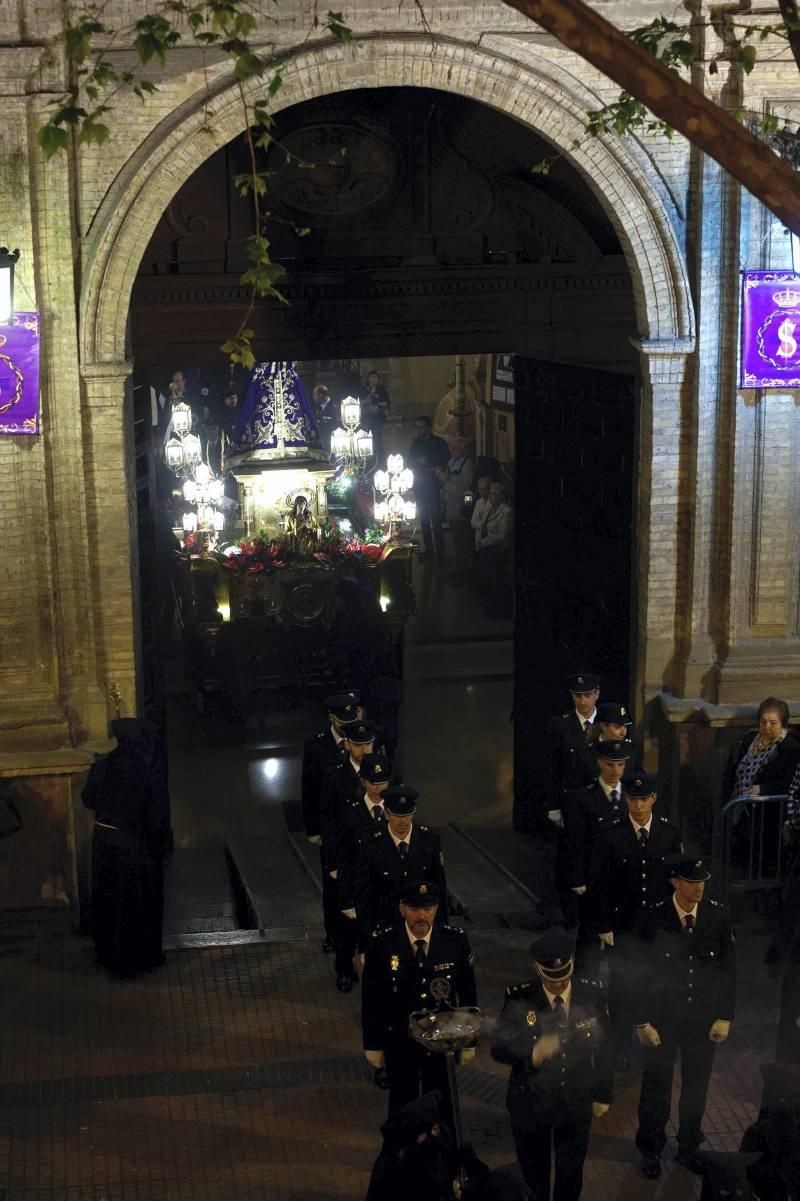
{"points": [[427, 456]]}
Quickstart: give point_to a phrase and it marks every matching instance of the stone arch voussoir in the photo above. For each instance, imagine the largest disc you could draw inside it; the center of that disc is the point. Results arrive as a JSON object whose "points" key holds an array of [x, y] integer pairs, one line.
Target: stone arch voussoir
{"points": [[620, 174]]}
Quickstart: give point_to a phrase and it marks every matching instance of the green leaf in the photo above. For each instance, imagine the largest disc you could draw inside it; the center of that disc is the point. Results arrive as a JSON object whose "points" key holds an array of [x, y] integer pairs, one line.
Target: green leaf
{"points": [[77, 44], [52, 139], [154, 36], [264, 277], [747, 57], [334, 23], [239, 348], [248, 65], [93, 132]]}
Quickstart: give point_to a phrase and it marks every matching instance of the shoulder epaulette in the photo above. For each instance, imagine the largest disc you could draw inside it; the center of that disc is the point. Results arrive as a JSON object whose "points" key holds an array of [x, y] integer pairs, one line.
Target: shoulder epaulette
{"points": [[421, 827], [586, 980], [659, 904], [566, 715], [716, 904], [453, 929], [381, 930], [516, 990], [665, 820]]}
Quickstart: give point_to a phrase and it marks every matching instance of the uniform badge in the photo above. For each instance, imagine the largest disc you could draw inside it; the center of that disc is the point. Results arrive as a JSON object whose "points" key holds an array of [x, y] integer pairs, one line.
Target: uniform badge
{"points": [[530, 1018], [440, 988], [394, 962]]}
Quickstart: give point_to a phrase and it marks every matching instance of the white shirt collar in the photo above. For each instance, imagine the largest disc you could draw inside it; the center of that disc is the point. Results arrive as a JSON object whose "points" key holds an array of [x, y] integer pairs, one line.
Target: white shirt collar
{"points": [[565, 996], [412, 938], [683, 913], [583, 720], [372, 804], [355, 766], [337, 737], [608, 788], [637, 827], [397, 841]]}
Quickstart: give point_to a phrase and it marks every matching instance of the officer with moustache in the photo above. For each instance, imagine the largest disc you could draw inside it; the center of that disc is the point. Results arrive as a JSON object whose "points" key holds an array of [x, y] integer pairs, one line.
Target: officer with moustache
{"points": [[406, 850], [627, 876], [320, 754], [342, 793], [685, 997], [408, 964], [554, 1032], [588, 812]]}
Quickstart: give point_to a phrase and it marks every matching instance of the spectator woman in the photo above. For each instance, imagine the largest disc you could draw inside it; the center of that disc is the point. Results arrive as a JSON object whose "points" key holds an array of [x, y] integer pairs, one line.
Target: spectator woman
{"points": [[763, 763]]}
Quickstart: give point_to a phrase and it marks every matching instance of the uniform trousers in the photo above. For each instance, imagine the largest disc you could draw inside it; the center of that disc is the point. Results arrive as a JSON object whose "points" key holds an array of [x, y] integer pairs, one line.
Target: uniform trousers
{"points": [[345, 943], [413, 1071], [330, 907], [563, 1137], [689, 1035], [621, 992]]}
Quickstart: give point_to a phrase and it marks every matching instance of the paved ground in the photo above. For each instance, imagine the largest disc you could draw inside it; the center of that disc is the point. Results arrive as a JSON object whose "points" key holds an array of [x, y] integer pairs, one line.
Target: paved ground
{"points": [[234, 1073]]}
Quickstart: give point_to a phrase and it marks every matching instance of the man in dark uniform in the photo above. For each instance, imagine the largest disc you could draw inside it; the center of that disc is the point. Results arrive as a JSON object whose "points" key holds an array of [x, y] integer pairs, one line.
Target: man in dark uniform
{"points": [[612, 724], [588, 812], [554, 1032], [627, 876], [569, 738], [326, 414], [321, 753], [685, 996], [402, 962], [343, 792], [405, 851]]}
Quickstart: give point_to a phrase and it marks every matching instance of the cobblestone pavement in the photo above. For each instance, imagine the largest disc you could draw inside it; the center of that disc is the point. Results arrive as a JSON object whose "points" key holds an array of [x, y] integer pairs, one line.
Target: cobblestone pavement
{"points": [[234, 1073]]}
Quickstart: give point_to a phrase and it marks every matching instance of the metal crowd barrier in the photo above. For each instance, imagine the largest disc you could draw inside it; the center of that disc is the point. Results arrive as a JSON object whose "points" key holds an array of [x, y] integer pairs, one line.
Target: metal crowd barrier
{"points": [[750, 853]]}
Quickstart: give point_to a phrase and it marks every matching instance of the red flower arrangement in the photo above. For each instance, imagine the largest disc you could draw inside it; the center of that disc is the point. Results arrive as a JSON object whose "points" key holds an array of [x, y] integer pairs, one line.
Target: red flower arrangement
{"points": [[261, 554]]}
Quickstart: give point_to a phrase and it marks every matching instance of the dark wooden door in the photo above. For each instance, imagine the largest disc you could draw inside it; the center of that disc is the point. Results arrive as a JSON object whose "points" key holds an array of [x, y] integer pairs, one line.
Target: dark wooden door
{"points": [[573, 544]]}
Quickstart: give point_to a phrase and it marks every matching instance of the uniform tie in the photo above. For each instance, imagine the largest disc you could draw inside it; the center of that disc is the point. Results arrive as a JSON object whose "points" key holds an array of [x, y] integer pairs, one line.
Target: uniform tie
{"points": [[402, 849], [587, 730], [688, 922], [642, 838], [614, 798], [561, 1013], [420, 945], [377, 813]]}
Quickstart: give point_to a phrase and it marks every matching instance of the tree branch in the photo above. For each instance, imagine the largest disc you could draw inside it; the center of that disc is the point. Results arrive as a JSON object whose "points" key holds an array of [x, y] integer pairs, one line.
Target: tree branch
{"points": [[706, 125]]}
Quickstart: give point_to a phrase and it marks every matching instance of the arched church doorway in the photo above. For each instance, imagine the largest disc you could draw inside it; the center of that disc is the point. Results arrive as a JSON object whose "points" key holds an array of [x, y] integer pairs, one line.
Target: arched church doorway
{"points": [[414, 227]]}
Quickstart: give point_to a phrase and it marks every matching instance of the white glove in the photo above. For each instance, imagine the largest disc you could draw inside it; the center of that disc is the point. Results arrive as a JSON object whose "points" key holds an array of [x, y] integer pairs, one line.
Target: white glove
{"points": [[351, 913], [599, 1109], [719, 1030], [648, 1036], [333, 875], [468, 1054], [315, 838], [375, 1058], [554, 815], [580, 890], [606, 939], [546, 1047]]}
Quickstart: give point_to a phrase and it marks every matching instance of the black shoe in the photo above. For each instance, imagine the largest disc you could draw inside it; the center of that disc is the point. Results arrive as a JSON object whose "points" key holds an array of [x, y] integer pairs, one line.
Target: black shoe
{"points": [[691, 1160], [651, 1167], [328, 946], [381, 1078], [344, 984]]}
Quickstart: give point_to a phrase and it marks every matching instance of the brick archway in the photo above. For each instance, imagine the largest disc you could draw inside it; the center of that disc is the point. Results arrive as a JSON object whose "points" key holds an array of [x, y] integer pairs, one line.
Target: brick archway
{"points": [[532, 92]]}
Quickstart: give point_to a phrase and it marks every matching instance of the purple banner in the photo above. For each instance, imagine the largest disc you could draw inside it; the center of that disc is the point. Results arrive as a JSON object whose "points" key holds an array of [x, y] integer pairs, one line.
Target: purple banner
{"points": [[770, 351], [19, 375]]}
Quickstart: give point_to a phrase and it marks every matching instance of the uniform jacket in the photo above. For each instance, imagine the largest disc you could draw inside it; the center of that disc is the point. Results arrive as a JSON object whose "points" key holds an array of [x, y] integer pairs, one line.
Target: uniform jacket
{"points": [[581, 1072], [341, 787], [320, 753], [394, 987], [356, 832], [573, 763], [587, 814], [682, 975], [625, 879], [380, 872]]}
